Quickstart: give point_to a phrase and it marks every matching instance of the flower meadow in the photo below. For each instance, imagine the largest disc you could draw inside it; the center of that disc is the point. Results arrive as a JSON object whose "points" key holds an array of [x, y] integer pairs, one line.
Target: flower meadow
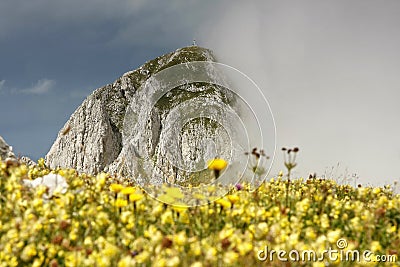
{"points": [[102, 221]]}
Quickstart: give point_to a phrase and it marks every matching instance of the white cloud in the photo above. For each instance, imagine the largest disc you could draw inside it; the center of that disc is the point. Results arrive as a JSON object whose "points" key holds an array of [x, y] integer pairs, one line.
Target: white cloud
{"points": [[81, 93], [2, 82], [335, 77], [41, 87]]}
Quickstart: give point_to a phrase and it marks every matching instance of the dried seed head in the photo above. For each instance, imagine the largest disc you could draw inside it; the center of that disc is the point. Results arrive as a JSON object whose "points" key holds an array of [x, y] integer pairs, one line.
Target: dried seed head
{"points": [[134, 253], [64, 225], [239, 186], [53, 263], [166, 242], [57, 240], [225, 243]]}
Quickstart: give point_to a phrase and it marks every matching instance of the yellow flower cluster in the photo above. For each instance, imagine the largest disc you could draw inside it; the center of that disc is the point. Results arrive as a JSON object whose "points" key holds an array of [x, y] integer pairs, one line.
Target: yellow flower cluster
{"points": [[103, 222]]}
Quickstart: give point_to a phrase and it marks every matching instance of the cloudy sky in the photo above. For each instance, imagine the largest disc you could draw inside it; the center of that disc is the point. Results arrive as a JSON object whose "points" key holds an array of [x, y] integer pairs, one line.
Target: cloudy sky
{"points": [[329, 69]]}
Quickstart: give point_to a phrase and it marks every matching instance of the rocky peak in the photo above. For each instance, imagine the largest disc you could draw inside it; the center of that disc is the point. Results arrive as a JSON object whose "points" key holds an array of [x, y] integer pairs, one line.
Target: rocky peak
{"points": [[91, 140]]}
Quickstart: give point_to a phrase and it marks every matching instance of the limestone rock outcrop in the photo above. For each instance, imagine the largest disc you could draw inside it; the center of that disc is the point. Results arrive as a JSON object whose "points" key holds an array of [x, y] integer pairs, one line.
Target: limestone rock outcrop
{"points": [[92, 139], [5, 150]]}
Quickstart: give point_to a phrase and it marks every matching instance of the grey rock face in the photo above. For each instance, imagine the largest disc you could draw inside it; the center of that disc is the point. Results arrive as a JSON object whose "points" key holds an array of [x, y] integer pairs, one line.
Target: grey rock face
{"points": [[92, 139], [7, 155], [89, 140], [27, 161], [5, 150]]}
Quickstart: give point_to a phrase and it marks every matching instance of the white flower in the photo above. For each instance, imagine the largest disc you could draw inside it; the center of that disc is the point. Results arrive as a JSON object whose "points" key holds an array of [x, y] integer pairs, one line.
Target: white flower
{"points": [[54, 183]]}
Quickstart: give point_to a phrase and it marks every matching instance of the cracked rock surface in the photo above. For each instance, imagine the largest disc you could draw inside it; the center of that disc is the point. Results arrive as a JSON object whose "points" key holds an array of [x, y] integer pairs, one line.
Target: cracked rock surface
{"points": [[91, 140]]}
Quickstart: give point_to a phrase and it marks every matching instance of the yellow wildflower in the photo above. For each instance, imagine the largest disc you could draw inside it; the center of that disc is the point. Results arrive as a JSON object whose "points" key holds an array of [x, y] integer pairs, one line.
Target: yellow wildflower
{"points": [[211, 188], [73, 235], [223, 202], [174, 261], [179, 207], [110, 250], [40, 190], [244, 248], [211, 253], [392, 229], [195, 249], [135, 197], [128, 190], [318, 264], [226, 233], [382, 201], [28, 252], [142, 257], [376, 246], [160, 262], [41, 163], [116, 188], [217, 164], [333, 236], [293, 239], [126, 261], [230, 257], [121, 203], [88, 241], [324, 221], [376, 190], [180, 239], [101, 180], [166, 217], [233, 198]]}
